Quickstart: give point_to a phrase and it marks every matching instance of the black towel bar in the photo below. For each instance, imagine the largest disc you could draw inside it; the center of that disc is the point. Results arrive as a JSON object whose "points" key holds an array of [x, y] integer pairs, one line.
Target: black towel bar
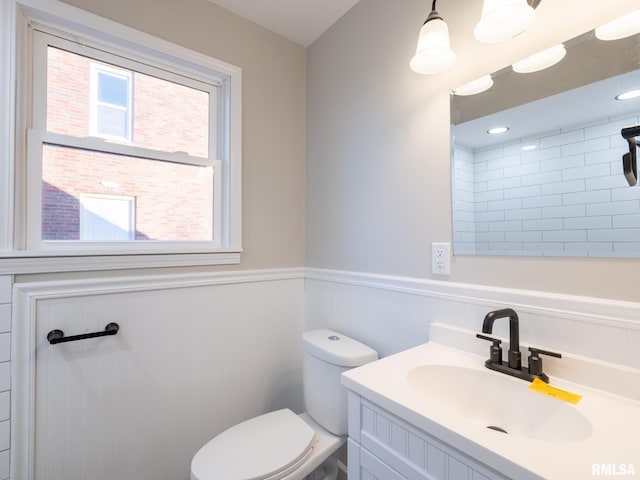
{"points": [[57, 336]]}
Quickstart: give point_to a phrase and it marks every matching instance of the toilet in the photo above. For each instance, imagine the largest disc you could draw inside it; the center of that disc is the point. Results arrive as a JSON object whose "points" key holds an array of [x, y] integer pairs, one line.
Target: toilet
{"points": [[281, 445]]}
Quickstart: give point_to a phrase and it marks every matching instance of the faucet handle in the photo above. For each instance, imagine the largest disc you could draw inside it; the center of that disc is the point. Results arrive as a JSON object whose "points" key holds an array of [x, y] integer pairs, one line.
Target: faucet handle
{"points": [[495, 353], [535, 362]]}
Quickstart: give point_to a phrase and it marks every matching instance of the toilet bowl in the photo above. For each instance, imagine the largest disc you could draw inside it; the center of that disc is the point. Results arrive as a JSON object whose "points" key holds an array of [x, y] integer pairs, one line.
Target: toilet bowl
{"points": [[281, 445]]}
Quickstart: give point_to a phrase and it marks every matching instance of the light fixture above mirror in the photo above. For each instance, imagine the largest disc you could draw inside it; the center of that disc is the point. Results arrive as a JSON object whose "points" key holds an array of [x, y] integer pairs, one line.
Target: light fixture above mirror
{"points": [[433, 53], [503, 19]]}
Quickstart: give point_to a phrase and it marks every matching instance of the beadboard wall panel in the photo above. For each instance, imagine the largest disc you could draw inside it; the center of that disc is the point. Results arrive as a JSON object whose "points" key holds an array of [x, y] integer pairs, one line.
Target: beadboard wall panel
{"points": [[193, 356], [392, 313]]}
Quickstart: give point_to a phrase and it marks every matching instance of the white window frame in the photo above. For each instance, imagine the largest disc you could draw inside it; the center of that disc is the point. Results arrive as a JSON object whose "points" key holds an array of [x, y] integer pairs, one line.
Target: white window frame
{"points": [[21, 250], [95, 103]]}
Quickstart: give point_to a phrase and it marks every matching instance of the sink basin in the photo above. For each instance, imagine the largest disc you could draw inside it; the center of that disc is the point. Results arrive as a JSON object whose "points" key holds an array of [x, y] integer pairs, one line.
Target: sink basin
{"points": [[501, 403]]}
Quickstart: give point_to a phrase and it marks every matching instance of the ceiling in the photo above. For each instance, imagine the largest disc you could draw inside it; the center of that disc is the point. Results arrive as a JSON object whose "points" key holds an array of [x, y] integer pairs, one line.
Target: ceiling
{"points": [[302, 21]]}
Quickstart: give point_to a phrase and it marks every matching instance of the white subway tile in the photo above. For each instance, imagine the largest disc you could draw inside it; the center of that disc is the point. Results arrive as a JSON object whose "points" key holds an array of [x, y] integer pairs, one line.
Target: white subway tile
{"points": [[4, 464], [562, 139], [579, 223], [565, 236], [614, 208], [5, 406], [505, 204], [608, 128], [544, 224], [489, 196], [542, 178], [545, 248], [563, 187], [596, 196], [524, 169], [5, 376], [504, 183], [627, 249], [520, 192], [507, 226], [564, 211], [625, 193], [542, 155], [5, 318], [592, 249], [523, 214], [504, 162], [615, 235], [613, 155], [488, 175], [492, 216], [558, 163], [586, 146], [546, 201], [464, 226], [487, 155], [5, 347], [626, 221], [4, 435], [5, 289], [480, 167], [598, 170], [530, 237], [490, 236], [614, 181]]}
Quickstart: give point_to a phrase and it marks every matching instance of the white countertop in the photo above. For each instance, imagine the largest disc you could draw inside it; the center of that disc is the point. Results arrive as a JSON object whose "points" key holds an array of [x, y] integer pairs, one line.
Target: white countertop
{"points": [[615, 420]]}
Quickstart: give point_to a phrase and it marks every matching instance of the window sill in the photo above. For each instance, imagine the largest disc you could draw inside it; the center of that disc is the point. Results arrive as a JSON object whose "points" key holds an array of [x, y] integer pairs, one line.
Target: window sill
{"points": [[24, 263]]}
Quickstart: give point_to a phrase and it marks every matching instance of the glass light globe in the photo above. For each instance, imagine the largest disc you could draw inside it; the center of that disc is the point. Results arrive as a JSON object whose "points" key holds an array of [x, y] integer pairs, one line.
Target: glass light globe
{"points": [[433, 54], [503, 19]]}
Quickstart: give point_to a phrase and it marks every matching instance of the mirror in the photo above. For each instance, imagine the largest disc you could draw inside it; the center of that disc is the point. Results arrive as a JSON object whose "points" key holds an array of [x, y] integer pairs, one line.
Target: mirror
{"points": [[553, 183]]}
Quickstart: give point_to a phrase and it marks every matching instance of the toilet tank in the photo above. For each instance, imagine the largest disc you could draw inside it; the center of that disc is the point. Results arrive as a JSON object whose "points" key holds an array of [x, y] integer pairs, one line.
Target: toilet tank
{"points": [[326, 355]]}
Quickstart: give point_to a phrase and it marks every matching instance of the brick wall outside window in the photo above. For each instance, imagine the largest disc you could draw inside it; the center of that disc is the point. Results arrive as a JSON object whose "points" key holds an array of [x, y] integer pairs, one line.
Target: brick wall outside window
{"points": [[173, 201]]}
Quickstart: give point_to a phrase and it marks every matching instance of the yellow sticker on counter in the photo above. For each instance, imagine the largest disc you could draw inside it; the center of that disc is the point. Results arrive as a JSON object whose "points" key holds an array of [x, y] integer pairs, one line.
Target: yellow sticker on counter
{"points": [[539, 386]]}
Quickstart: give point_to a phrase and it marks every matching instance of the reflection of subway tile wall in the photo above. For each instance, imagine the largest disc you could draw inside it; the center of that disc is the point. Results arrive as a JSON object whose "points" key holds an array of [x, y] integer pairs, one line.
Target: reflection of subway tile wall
{"points": [[566, 197]]}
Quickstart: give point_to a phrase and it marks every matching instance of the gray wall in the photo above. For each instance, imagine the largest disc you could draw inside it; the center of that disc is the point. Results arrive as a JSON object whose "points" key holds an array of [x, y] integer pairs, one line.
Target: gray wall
{"points": [[378, 168]]}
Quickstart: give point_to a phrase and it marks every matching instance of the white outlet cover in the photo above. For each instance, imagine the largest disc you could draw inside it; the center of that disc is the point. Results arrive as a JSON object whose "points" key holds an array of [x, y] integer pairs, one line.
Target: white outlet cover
{"points": [[441, 258]]}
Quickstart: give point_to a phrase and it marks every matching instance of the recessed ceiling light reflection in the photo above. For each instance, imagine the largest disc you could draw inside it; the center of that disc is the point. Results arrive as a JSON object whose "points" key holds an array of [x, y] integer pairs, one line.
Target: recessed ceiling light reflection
{"points": [[544, 59], [497, 130], [630, 95], [622, 27], [480, 85]]}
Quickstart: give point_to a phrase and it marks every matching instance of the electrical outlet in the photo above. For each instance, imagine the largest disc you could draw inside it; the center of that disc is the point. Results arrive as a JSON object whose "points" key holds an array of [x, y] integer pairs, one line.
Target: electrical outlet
{"points": [[441, 258]]}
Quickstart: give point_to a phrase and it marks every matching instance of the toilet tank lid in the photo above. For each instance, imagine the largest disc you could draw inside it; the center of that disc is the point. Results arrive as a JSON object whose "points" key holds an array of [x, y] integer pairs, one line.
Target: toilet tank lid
{"points": [[338, 349]]}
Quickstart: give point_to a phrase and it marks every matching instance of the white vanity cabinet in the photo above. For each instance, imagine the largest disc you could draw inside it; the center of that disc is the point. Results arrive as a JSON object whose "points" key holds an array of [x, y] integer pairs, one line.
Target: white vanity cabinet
{"points": [[385, 447]]}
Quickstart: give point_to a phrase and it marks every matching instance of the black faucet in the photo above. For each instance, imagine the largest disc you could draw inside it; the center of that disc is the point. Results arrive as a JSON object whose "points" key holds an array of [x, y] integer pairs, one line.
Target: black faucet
{"points": [[515, 357], [514, 364]]}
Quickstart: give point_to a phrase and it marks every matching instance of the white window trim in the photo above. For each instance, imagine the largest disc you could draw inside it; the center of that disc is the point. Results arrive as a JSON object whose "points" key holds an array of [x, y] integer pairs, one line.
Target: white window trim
{"points": [[14, 257], [94, 103]]}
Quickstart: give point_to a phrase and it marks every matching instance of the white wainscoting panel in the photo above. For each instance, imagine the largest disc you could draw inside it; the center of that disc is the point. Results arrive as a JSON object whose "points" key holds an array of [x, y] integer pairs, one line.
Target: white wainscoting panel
{"points": [[394, 313], [5, 376], [194, 355]]}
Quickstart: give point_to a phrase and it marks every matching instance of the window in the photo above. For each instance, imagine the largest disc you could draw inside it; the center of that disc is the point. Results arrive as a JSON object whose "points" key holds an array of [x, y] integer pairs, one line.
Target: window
{"points": [[133, 144], [111, 102]]}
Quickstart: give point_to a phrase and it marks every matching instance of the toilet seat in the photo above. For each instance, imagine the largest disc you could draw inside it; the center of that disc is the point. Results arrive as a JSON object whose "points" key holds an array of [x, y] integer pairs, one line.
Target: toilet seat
{"points": [[268, 447]]}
